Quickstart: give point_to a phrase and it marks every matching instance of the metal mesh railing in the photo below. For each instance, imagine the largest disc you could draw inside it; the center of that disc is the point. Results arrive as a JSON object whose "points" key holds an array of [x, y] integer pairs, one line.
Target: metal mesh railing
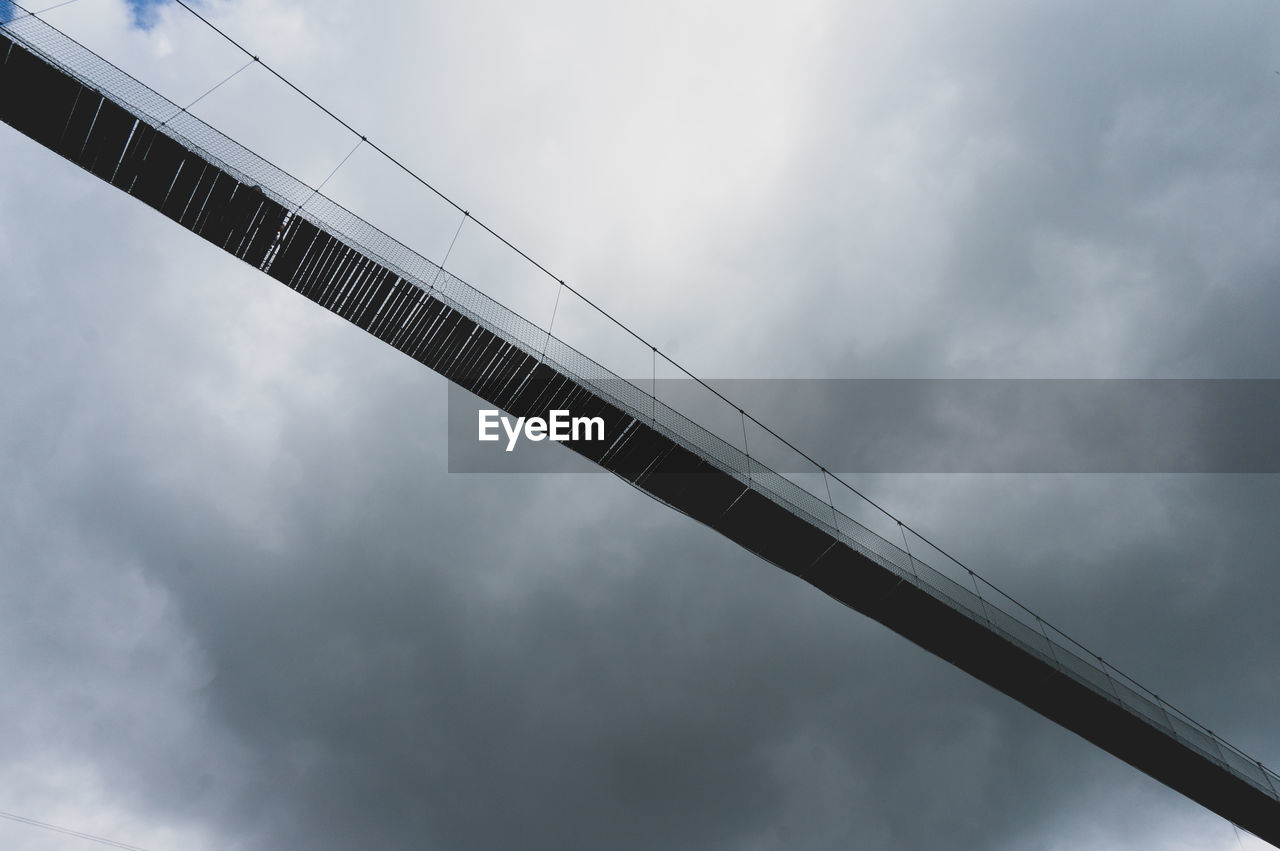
{"points": [[1010, 619]]}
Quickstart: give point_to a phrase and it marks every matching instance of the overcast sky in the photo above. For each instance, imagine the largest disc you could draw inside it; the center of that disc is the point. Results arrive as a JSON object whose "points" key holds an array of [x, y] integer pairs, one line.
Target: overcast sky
{"points": [[243, 605]]}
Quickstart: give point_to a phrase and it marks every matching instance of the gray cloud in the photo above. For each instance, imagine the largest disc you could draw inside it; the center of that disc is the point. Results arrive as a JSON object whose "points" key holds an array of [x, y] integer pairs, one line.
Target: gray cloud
{"points": [[243, 605]]}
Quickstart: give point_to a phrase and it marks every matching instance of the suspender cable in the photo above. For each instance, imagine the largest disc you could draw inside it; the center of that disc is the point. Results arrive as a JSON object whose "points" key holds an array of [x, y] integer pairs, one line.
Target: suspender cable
{"points": [[316, 191], [653, 387], [39, 12], [216, 86], [903, 529], [835, 516], [551, 325], [448, 251]]}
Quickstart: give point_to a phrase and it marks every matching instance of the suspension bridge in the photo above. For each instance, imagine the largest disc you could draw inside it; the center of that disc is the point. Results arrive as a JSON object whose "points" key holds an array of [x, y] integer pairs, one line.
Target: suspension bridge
{"points": [[78, 105]]}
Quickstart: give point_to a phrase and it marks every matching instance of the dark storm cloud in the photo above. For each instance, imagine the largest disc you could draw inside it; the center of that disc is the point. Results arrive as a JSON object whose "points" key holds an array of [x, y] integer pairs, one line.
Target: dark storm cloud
{"points": [[1062, 192], [246, 598]]}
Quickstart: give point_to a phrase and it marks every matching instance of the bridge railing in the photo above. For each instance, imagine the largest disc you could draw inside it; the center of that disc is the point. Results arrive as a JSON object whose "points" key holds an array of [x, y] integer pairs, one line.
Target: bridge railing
{"points": [[993, 608]]}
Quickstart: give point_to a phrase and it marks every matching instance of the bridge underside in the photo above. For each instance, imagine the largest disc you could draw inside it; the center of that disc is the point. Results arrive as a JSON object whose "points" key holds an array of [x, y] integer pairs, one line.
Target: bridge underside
{"points": [[92, 130]]}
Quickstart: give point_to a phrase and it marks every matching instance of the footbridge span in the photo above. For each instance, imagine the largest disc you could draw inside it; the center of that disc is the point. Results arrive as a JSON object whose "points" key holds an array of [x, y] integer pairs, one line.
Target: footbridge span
{"points": [[81, 107]]}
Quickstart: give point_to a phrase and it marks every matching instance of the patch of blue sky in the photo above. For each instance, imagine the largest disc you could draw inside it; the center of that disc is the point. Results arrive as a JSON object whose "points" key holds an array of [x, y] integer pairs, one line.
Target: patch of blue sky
{"points": [[144, 12]]}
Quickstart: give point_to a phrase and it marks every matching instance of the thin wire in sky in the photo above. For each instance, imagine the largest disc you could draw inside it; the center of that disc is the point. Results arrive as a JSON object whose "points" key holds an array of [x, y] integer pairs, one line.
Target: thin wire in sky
{"points": [[66, 831]]}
